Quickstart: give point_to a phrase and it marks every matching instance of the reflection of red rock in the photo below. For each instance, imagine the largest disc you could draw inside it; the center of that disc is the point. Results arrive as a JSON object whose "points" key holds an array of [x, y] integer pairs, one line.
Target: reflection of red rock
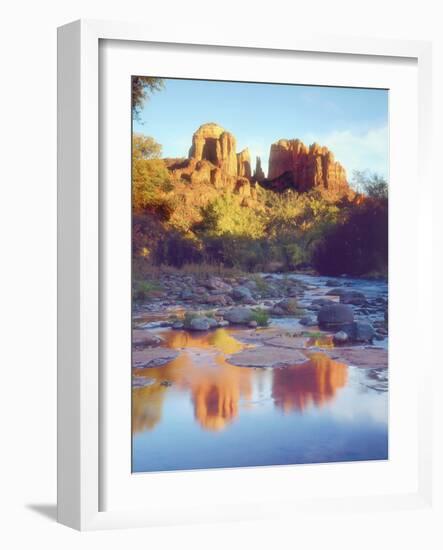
{"points": [[215, 386], [147, 405], [315, 382]]}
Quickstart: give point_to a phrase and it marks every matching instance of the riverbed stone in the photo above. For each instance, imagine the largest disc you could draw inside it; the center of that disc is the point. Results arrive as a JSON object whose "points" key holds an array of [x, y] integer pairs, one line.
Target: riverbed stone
{"points": [[199, 323], [239, 315], [288, 305], [341, 337], [361, 332], [267, 356], [368, 357], [335, 317], [153, 357], [146, 338], [242, 293], [354, 297]]}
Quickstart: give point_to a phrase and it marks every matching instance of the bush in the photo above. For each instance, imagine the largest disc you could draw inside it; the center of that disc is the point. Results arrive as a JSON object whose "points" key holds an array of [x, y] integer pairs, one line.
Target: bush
{"points": [[358, 245], [261, 317], [143, 290]]}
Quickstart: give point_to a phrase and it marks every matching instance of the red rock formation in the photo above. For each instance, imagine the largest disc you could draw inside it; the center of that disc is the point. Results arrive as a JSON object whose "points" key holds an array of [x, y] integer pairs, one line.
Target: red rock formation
{"points": [[213, 163], [293, 165], [211, 142], [244, 164], [259, 175]]}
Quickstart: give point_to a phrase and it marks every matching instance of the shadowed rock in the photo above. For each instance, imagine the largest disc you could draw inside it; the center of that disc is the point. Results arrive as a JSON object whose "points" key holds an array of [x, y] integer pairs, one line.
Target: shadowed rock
{"points": [[335, 317]]}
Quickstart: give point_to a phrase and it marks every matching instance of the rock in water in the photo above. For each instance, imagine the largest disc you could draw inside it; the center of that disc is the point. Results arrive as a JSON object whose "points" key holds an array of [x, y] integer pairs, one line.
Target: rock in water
{"points": [[335, 317], [239, 315], [362, 332], [200, 323], [341, 337], [267, 356], [353, 297]]}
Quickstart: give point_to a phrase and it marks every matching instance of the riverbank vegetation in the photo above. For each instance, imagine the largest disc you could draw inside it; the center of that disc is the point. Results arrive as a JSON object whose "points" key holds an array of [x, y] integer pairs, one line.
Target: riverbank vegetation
{"points": [[278, 232]]}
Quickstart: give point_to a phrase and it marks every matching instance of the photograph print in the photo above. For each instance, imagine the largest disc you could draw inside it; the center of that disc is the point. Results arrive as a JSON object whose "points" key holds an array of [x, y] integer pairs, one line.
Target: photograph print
{"points": [[259, 274]]}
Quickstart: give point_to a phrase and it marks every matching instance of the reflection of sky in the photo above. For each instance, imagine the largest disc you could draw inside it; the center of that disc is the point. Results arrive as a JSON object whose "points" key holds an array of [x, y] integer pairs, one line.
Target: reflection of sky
{"points": [[216, 415]]}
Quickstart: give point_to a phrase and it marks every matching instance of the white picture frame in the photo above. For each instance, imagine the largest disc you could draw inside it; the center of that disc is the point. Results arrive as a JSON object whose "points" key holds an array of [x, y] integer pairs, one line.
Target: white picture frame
{"points": [[80, 294]]}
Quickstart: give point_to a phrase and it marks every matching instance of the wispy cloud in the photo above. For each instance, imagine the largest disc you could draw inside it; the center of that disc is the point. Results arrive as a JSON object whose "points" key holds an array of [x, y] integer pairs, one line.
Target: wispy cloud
{"points": [[366, 151]]}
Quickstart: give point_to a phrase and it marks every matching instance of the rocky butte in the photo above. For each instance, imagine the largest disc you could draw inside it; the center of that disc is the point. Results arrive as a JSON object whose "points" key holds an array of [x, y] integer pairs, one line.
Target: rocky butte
{"points": [[294, 165], [213, 160]]}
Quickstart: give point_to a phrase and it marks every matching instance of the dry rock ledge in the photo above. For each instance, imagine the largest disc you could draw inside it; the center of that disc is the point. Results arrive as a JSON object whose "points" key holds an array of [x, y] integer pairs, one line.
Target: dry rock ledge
{"points": [[153, 357], [267, 356]]}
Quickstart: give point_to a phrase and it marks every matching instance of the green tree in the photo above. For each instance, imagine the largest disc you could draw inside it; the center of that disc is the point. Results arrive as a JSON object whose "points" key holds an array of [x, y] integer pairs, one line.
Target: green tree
{"points": [[370, 184], [145, 147]]}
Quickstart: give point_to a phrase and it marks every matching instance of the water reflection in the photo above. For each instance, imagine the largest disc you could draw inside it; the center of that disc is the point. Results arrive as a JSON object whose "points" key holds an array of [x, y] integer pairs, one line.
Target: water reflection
{"points": [[216, 388], [147, 404], [313, 383]]}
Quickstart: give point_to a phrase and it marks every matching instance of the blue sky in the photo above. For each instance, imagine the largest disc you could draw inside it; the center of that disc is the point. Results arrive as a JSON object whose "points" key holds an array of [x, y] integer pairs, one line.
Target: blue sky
{"points": [[353, 123]]}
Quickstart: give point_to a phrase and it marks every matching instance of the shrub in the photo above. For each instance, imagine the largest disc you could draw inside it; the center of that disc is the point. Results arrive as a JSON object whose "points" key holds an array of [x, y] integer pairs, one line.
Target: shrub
{"points": [[143, 290], [260, 316]]}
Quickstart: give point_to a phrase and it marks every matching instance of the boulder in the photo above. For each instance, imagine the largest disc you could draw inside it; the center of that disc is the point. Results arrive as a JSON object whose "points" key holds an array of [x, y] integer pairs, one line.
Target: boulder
{"points": [[353, 297], [336, 291], [239, 316], [288, 305], [199, 323], [341, 337], [186, 294], [335, 317], [215, 283], [361, 332], [217, 299], [241, 293]]}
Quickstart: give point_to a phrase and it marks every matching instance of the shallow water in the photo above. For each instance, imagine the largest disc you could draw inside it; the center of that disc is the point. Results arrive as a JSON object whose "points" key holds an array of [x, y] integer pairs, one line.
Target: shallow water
{"points": [[198, 411]]}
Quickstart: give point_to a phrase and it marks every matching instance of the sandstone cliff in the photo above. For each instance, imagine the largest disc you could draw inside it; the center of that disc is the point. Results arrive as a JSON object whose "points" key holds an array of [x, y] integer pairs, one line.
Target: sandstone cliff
{"points": [[293, 165], [211, 142], [214, 164], [213, 167], [244, 164]]}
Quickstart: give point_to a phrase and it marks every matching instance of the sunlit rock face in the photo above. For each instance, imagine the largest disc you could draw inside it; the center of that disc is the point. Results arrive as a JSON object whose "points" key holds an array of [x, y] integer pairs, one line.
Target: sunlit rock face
{"points": [[313, 383], [244, 164], [293, 165], [211, 142], [213, 166]]}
